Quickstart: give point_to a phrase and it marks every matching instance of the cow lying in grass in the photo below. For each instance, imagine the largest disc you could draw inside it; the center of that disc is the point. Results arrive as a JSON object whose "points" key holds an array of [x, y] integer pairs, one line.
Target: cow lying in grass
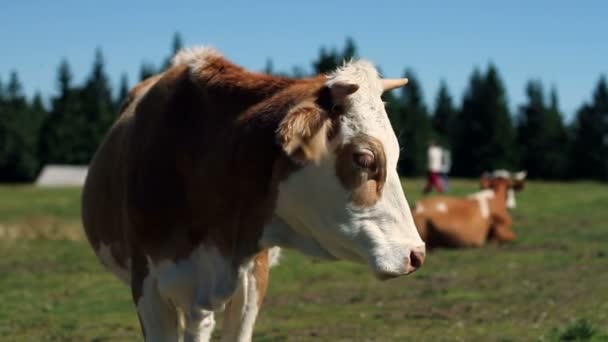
{"points": [[446, 221], [209, 166]]}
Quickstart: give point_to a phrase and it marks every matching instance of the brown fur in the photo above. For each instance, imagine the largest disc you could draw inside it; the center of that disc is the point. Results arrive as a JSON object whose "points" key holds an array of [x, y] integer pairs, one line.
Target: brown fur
{"points": [[366, 184], [463, 224], [138, 91], [261, 270], [303, 133]]}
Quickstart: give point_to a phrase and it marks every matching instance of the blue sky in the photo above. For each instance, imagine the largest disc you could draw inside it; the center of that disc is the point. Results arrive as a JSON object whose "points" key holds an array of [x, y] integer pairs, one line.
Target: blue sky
{"points": [[563, 43]]}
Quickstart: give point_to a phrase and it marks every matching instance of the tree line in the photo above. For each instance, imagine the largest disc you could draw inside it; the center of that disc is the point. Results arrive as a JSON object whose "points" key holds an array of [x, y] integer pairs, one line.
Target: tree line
{"points": [[480, 129]]}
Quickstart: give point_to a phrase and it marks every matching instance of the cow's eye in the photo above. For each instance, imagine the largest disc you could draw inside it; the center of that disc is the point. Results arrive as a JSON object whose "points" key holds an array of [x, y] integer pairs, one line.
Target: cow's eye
{"points": [[365, 159]]}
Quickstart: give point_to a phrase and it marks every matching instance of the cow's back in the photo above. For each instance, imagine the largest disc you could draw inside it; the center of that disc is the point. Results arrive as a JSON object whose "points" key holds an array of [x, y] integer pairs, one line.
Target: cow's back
{"points": [[451, 221]]}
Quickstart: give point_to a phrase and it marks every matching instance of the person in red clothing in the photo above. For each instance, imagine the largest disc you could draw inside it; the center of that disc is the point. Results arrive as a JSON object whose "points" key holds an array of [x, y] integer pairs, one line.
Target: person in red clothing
{"points": [[434, 168]]}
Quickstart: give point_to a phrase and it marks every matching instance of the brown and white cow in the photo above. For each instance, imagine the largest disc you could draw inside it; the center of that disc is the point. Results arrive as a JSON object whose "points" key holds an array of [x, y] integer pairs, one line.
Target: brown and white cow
{"points": [[447, 221], [210, 165]]}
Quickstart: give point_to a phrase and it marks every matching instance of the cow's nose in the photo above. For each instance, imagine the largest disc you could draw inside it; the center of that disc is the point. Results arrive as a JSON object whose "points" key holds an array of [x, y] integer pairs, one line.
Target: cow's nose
{"points": [[416, 259]]}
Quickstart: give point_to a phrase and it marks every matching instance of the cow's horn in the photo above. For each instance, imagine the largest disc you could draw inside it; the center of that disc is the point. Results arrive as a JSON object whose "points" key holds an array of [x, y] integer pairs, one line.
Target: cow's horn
{"points": [[392, 83]]}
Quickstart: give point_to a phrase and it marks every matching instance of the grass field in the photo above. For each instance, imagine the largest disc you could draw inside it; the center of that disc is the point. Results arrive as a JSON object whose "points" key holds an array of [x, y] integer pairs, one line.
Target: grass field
{"points": [[551, 285]]}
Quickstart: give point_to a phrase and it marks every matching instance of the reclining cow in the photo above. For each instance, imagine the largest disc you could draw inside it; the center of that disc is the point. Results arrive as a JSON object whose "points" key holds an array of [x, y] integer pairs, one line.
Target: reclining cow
{"points": [[209, 165], [445, 221]]}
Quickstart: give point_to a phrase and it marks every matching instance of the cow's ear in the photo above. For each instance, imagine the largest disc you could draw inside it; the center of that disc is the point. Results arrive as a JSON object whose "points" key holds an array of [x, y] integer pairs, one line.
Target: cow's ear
{"points": [[517, 185], [303, 133], [485, 182], [340, 91]]}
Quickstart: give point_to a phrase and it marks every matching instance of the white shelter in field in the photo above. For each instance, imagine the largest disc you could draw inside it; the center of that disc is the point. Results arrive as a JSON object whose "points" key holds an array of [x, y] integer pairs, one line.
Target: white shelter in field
{"points": [[62, 175]]}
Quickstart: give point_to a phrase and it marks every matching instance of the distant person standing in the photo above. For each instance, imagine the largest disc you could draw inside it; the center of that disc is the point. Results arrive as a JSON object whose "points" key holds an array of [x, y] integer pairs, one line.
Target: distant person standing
{"points": [[446, 165], [434, 168]]}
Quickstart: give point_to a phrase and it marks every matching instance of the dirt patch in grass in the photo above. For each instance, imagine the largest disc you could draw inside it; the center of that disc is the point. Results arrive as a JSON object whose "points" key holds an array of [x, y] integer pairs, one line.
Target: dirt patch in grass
{"points": [[41, 227]]}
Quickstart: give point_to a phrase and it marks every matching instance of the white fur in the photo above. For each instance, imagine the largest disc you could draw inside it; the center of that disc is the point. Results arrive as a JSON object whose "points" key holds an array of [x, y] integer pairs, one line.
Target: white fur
{"points": [[159, 319], [484, 207], [239, 318], [521, 175], [194, 287], [511, 203], [501, 174], [485, 193], [419, 208], [274, 256], [483, 197], [195, 57], [203, 281], [105, 255], [200, 330], [315, 210], [278, 233], [442, 207]]}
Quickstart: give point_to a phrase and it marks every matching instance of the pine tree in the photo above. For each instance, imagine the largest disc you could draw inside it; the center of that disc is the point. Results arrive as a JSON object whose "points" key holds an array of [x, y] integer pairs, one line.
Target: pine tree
{"points": [[485, 136], [37, 105], [415, 128], [328, 61], [97, 104], [589, 154], [2, 94], [467, 129], [146, 70], [65, 134], [444, 115], [123, 92], [176, 45], [19, 127], [350, 50], [269, 67], [541, 134]]}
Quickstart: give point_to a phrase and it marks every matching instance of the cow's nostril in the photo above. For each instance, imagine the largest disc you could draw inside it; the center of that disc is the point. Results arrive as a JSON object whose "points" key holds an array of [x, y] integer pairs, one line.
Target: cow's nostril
{"points": [[416, 260]]}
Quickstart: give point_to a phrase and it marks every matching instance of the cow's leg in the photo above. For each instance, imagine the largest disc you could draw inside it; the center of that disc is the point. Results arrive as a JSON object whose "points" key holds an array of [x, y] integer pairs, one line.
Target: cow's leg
{"points": [[504, 233], [158, 319], [502, 229], [241, 312], [199, 326]]}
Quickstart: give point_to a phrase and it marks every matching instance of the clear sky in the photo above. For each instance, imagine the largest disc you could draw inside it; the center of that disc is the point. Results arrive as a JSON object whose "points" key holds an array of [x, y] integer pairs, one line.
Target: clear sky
{"points": [[563, 43]]}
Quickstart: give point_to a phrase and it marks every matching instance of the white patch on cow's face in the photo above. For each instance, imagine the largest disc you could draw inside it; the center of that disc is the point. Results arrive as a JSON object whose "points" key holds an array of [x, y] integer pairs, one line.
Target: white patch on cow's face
{"points": [[511, 204], [318, 208], [419, 208], [105, 255], [442, 207]]}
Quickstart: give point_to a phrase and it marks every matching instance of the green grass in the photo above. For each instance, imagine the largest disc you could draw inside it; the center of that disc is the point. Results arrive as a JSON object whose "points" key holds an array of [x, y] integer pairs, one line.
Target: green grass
{"points": [[550, 285]]}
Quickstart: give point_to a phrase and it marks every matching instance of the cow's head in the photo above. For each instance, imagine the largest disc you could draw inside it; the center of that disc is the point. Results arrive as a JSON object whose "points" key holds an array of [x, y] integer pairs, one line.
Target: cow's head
{"points": [[345, 200], [512, 181]]}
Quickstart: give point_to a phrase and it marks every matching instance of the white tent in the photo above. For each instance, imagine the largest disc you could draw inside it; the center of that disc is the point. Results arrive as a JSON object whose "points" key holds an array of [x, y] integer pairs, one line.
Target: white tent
{"points": [[62, 175]]}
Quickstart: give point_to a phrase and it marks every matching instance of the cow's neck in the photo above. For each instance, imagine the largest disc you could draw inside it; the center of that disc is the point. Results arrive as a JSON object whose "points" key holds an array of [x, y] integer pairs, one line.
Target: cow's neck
{"points": [[499, 201]]}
